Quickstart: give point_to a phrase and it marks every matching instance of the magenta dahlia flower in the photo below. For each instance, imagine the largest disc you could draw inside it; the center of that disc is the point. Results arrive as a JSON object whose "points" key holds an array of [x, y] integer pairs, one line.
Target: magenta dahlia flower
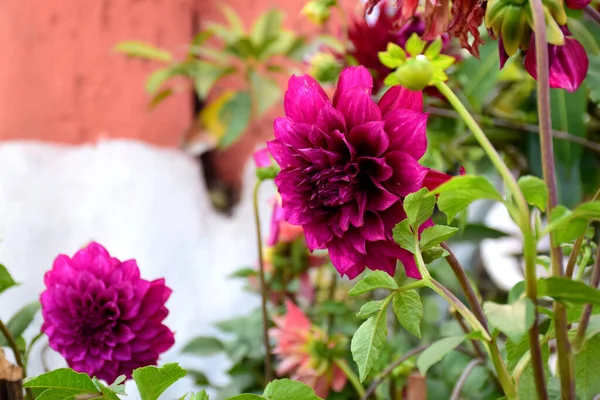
{"points": [[347, 164], [101, 316], [568, 63]]}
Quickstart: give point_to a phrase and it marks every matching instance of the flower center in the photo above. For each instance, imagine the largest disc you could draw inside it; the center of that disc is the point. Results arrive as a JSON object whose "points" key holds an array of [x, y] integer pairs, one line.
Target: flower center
{"points": [[334, 186], [98, 317]]}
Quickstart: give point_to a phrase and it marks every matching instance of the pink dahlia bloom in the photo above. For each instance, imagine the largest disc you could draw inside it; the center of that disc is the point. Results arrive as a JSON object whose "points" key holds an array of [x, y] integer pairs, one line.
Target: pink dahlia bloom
{"points": [[305, 352], [101, 316], [568, 63], [346, 165]]}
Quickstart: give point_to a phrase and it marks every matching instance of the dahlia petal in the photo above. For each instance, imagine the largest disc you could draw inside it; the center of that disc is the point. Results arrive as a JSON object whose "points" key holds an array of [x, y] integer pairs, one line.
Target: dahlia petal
{"points": [[317, 235], [381, 199], [358, 107], [502, 52], [577, 4], [400, 98], [261, 158], [435, 178], [408, 173], [131, 272], [568, 64], [350, 78], [282, 154], [373, 228], [303, 99], [407, 131], [122, 352], [410, 266], [377, 168], [345, 259], [369, 138], [277, 217], [330, 120], [292, 133]]}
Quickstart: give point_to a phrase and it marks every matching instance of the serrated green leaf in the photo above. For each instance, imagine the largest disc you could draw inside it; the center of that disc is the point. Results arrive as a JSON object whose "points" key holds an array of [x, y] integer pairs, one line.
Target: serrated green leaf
{"points": [[367, 343], [436, 235], [437, 351], [147, 51], [535, 191], [153, 381], [203, 346], [286, 389], [6, 280], [404, 236], [20, 321], [568, 290], [409, 311], [587, 369], [414, 45], [109, 392], [514, 319], [419, 207], [433, 253], [235, 115], [374, 280], [265, 91], [370, 308], [62, 384], [459, 192]]}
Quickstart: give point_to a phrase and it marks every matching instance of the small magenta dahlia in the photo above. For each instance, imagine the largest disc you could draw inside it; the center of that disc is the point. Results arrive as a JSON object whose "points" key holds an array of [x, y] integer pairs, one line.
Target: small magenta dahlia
{"points": [[346, 166], [101, 316]]}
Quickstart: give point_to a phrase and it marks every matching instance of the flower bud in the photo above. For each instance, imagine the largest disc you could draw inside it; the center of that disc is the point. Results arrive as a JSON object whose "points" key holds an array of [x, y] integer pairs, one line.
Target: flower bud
{"points": [[318, 11], [324, 67], [415, 74]]}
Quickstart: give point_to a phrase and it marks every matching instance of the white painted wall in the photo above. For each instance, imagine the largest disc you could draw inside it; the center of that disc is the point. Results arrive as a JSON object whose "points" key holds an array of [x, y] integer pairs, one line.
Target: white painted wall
{"points": [[140, 202]]}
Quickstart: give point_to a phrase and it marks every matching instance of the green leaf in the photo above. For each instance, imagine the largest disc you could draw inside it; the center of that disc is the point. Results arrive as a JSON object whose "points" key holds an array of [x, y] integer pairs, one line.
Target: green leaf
{"points": [[514, 319], [459, 192], [6, 281], [157, 78], [515, 351], [266, 28], [568, 290], [433, 253], [516, 292], [203, 346], [419, 207], [374, 280], [535, 191], [370, 308], [235, 115], [109, 392], [198, 396], [434, 49], [265, 92], [206, 75], [526, 385], [436, 235], [160, 97], [437, 351], [20, 321], [367, 343], [593, 77], [244, 273], [147, 51], [62, 384], [247, 397], [414, 45], [409, 311], [236, 25], [404, 236], [480, 75], [587, 369], [285, 389], [152, 381]]}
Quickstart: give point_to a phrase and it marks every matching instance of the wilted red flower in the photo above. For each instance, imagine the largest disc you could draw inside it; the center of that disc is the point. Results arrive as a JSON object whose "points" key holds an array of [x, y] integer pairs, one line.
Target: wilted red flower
{"points": [[568, 63], [467, 17], [306, 353], [101, 316], [347, 164]]}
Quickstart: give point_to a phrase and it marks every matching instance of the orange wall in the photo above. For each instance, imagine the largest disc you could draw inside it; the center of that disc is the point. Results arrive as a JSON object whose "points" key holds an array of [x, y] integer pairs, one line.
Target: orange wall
{"points": [[60, 82]]}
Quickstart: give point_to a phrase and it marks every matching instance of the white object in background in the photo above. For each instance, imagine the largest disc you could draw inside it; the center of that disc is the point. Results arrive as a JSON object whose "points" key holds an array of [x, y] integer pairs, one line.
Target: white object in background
{"points": [[140, 202]]}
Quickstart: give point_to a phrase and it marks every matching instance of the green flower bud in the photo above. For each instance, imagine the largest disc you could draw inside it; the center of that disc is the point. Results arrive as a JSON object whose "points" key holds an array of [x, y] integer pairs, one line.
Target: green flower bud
{"points": [[324, 67], [414, 74]]}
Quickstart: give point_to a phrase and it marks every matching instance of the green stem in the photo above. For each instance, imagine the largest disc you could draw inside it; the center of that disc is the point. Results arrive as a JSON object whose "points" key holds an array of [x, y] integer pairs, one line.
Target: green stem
{"points": [[584, 260], [587, 311], [563, 347], [28, 350], [360, 390], [15, 349], [263, 287]]}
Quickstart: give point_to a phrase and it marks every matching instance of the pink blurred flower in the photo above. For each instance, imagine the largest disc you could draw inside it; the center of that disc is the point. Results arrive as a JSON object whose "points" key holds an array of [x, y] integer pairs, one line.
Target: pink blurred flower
{"points": [[281, 230], [101, 316], [298, 346], [568, 63], [262, 158], [347, 164]]}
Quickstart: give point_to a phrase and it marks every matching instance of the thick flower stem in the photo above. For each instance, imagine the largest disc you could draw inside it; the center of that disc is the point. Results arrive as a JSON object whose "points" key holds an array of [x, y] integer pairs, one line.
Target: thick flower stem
{"points": [[15, 349], [563, 347], [263, 287], [343, 365]]}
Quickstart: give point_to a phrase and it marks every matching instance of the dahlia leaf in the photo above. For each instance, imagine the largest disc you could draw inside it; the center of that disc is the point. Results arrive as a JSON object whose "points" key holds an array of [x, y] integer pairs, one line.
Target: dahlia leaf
{"points": [[374, 280], [535, 191], [568, 225], [526, 384], [370, 308], [419, 207], [286, 389], [6, 280], [63, 384], [436, 235], [203, 346], [513, 319], [433, 253], [404, 236], [437, 351], [409, 311], [587, 369], [153, 381], [367, 343], [568, 290], [108, 392], [196, 396], [20, 321], [459, 192], [247, 397]]}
